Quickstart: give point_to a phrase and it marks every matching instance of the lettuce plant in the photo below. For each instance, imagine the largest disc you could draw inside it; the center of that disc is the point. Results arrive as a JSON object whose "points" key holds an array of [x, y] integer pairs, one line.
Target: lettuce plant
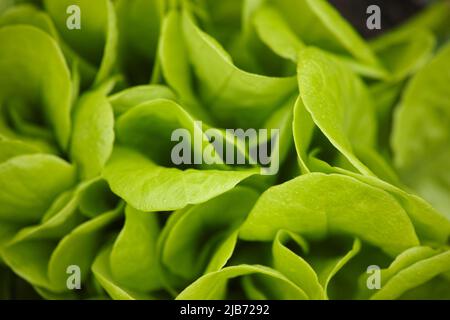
{"points": [[360, 208]]}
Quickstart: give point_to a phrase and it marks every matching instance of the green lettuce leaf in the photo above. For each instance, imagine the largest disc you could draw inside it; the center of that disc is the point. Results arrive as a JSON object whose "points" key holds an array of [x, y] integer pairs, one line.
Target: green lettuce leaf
{"points": [[133, 258], [209, 238], [312, 206], [27, 189], [96, 41], [139, 169], [220, 82], [317, 23], [93, 134], [25, 54], [212, 286], [420, 137], [338, 103]]}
